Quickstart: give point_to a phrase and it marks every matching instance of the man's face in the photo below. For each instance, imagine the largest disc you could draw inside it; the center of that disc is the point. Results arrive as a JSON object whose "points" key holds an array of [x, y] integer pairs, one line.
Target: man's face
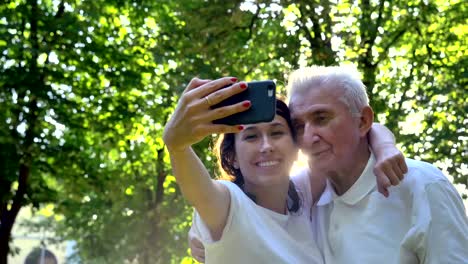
{"points": [[327, 131]]}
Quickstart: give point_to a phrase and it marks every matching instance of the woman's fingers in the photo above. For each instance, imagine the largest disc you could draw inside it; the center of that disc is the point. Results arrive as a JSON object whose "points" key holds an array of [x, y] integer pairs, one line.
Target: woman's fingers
{"points": [[388, 170], [210, 87], [202, 94], [195, 83], [205, 130], [399, 165], [383, 183], [393, 177], [402, 164], [224, 111], [222, 94], [398, 172]]}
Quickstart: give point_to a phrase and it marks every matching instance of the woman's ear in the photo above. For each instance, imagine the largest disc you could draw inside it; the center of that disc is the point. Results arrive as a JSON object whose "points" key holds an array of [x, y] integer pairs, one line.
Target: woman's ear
{"points": [[235, 164], [366, 120]]}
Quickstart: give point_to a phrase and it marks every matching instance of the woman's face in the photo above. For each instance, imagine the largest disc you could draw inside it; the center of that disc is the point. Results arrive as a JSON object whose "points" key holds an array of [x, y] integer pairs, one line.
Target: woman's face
{"points": [[265, 152]]}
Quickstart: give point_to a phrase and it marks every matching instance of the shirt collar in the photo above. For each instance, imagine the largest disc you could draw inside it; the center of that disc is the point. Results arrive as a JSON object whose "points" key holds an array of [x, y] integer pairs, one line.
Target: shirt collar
{"points": [[363, 186], [327, 195]]}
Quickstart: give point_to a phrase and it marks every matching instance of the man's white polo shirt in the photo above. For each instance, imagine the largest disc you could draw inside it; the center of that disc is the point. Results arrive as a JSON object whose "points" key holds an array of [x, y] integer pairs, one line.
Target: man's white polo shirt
{"points": [[423, 220]]}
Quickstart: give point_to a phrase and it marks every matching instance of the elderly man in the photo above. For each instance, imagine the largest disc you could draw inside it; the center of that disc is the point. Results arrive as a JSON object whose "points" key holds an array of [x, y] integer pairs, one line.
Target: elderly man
{"points": [[422, 221]]}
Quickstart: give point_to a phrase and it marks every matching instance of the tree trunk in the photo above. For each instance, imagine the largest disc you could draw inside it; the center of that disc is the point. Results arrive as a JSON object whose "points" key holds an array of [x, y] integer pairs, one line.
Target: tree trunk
{"points": [[4, 246], [8, 216], [11, 208]]}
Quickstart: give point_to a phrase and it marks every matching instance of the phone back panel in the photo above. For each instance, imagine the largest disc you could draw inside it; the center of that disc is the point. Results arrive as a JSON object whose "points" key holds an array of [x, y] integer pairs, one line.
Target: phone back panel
{"points": [[262, 95]]}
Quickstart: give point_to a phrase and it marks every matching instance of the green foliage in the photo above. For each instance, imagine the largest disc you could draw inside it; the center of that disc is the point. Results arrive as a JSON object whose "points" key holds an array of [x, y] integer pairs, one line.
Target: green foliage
{"points": [[87, 87]]}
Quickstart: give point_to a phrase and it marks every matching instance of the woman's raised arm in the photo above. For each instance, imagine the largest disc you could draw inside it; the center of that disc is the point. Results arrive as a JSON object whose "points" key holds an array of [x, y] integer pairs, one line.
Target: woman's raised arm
{"points": [[190, 123], [390, 165]]}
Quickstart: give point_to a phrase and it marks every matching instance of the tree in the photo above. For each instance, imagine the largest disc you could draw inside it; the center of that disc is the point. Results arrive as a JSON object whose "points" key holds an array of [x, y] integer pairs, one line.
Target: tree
{"points": [[80, 89], [87, 87]]}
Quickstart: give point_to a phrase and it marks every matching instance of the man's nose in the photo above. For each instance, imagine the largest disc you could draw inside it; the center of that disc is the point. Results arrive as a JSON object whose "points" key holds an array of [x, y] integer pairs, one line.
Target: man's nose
{"points": [[309, 136]]}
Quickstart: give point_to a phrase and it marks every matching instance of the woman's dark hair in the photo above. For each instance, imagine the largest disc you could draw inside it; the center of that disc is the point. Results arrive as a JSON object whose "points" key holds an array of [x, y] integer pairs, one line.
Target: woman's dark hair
{"points": [[227, 154]]}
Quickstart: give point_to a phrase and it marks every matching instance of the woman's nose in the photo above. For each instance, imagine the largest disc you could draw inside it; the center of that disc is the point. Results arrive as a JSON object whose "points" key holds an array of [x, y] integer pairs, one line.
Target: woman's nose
{"points": [[266, 145]]}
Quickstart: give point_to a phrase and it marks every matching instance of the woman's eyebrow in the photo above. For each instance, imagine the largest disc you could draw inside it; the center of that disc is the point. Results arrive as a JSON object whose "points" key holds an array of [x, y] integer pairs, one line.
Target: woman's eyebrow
{"points": [[249, 129], [277, 124]]}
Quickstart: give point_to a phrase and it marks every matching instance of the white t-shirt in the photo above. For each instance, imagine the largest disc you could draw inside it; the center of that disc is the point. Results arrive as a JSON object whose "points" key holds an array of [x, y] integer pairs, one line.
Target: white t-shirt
{"points": [[254, 234], [423, 220]]}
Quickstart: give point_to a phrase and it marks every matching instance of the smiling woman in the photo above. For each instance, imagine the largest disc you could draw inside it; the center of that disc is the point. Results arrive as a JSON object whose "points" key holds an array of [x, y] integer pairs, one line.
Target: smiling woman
{"points": [[261, 155]]}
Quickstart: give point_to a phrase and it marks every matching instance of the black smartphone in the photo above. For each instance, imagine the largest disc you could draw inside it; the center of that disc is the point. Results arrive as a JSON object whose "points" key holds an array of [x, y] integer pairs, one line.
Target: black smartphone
{"points": [[262, 95]]}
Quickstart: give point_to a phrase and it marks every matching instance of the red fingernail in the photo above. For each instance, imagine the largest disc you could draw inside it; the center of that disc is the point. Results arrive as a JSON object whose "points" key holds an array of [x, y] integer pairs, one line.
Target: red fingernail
{"points": [[240, 128], [246, 104], [243, 85], [233, 79]]}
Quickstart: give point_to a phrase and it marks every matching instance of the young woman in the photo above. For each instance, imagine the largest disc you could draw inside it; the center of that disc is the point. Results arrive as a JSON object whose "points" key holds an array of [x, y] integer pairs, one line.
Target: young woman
{"points": [[257, 218]]}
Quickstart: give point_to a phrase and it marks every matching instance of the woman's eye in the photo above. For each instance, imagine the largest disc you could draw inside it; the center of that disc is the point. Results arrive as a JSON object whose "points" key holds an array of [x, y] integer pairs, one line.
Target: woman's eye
{"points": [[277, 133], [250, 137]]}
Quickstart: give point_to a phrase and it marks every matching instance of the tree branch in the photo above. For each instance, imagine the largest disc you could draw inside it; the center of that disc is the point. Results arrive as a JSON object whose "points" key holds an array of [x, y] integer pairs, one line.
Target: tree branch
{"points": [[321, 49], [398, 34], [61, 9], [302, 25], [161, 176], [249, 27], [374, 34], [161, 173]]}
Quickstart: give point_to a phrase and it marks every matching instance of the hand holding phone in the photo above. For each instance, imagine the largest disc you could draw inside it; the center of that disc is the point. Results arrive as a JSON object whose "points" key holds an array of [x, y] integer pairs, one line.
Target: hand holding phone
{"points": [[261, 94]]}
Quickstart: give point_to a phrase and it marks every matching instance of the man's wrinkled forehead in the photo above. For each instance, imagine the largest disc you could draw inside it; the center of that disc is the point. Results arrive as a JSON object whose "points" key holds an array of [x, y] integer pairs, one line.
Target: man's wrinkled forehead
{"points": [[307, 109]]}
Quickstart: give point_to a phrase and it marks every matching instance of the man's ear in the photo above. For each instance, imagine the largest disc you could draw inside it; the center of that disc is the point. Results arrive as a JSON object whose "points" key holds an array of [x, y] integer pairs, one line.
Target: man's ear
{"points": [[366, 120]]}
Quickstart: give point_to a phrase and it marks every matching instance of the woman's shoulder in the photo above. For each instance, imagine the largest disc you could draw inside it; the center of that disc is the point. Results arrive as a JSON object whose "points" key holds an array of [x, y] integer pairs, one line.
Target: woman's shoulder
{"points": [[229, 184], [236, 193]]}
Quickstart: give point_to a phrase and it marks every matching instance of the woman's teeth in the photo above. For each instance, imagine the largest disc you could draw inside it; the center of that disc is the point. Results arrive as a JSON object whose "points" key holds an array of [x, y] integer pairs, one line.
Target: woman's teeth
{"points": [[267, 163]]}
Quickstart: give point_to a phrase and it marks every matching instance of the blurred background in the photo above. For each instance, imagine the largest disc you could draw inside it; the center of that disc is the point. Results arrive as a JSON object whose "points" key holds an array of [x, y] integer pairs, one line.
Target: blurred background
{"points": [[87, 87]]}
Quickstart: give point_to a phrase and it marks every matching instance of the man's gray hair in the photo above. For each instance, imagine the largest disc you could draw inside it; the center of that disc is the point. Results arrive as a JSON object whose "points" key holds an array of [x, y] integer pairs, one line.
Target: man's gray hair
{"points": [[345, 78]]}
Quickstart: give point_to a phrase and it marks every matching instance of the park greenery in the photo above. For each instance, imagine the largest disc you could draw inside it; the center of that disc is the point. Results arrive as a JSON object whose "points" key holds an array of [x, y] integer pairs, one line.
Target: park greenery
{"points": [[87, 87]]}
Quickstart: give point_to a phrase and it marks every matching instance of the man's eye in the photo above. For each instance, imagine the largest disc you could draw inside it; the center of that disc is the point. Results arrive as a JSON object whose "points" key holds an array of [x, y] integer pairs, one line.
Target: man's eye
{"points": [[321, 119], [299, 127]]}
